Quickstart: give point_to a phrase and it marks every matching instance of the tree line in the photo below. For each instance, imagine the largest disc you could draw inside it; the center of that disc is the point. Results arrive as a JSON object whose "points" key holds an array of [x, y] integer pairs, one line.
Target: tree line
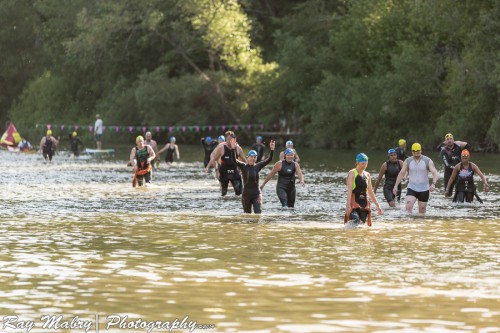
{"points": [[346, 73]]}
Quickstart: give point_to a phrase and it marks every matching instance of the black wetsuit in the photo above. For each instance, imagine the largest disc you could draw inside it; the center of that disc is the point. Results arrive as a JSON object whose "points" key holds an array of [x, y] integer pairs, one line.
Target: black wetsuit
{"points": [[285, 188], [169, 158], [465, 188], [208, 148], [259, 148], [450, 157], [141, 156], [391, 174], [229, 173], [251, 191], [75, 142], [360, 197], [48, 148], [401, 154]]}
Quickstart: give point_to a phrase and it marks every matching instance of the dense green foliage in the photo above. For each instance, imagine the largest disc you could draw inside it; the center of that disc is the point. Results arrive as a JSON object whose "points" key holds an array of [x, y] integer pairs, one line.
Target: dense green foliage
{"points": [[360, 73]]}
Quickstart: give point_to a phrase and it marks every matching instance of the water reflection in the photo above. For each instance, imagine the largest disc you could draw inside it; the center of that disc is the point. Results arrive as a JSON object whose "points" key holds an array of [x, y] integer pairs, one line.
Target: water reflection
{"points": [[79, 240]]}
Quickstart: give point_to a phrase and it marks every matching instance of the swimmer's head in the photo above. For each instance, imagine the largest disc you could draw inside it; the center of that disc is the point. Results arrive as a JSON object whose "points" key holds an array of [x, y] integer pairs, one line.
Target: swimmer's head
{"points": [[416, 147], [252, 153], [49, 132], [361, 157], [208, 139]]}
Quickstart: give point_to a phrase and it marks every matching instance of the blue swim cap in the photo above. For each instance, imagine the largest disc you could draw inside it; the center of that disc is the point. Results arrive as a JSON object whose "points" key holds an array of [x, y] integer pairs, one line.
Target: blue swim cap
{"points": [[208, 139], [221, 138], [361, 158], [289, 151], [289, 143], [172, 138], [259, 138], [252, 153], [391, 151]]}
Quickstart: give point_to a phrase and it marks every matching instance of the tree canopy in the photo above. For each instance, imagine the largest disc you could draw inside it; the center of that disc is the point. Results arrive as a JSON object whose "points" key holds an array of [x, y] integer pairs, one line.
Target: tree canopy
{"points": [[356, 73]]}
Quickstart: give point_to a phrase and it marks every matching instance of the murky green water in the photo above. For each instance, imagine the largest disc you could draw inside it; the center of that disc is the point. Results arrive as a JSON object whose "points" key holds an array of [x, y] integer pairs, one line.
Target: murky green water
{"points": [[78, 240]]}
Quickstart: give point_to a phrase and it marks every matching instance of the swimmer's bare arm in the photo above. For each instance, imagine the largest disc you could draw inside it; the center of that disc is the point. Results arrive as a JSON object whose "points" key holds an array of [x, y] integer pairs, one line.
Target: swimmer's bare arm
{"points": [[276, 168], [152, 154], [371, 194], [381, 174], [132, 158], [454, 174], [349, 180], [401, 175], [299, 173], [435, 175], [215, 156]]}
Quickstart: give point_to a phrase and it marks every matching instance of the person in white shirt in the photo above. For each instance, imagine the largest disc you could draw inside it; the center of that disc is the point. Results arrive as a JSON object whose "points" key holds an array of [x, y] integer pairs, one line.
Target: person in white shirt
{"points": [[98, 131], [417, 167]]}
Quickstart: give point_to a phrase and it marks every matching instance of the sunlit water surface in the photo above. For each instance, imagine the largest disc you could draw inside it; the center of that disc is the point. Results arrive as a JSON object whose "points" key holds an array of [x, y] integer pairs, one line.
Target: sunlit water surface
{"points": [[78, 240]]}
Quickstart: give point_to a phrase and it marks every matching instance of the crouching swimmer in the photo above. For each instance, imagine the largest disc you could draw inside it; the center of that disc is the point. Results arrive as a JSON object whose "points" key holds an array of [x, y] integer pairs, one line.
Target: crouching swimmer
{"points": [[358, 185]]}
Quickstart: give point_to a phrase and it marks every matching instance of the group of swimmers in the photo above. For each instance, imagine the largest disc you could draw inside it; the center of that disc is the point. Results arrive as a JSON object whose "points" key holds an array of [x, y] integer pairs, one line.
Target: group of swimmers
{"points": [[458, 176], [232, 166]]}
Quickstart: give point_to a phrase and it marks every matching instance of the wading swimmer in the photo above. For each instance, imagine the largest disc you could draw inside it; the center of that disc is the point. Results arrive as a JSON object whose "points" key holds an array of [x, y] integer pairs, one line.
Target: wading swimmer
{"points": [[208, 147], [252, 195], [359, 184], [417, 167], [150, 142], [141, 157], [259, 147], [401, 150], [450, 154], [285, 187], [227, 171], [75, 143], [171, 148], [48, 146], [465, 187], [289, 145], [390, 169]]}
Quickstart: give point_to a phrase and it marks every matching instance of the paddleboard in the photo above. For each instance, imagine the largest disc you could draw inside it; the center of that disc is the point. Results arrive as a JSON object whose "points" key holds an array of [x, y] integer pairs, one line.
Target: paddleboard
{"points": [[99, 151]]}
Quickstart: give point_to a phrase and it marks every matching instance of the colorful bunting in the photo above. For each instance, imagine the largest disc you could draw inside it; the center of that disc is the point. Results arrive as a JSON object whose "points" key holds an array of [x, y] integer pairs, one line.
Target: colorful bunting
{"points": [[183, 128]]}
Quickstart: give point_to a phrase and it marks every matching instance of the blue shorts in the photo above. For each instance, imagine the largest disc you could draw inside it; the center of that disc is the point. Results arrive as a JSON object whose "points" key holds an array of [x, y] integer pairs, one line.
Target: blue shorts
{"points": [[98, 137], [421, 196]]}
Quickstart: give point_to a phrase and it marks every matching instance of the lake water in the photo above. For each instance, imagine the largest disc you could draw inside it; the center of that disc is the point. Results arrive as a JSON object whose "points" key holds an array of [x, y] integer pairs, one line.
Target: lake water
{"points": [[78, 242]]}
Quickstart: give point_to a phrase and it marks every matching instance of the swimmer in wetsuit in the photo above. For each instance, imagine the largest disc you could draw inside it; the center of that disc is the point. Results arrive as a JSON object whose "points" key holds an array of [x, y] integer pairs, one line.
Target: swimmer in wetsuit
{"points": [[171, 148], [141, 157], [252, 195], [358, 186], [227, 171], [208, 146], [285, 187], [390, 169], [465, 187]]}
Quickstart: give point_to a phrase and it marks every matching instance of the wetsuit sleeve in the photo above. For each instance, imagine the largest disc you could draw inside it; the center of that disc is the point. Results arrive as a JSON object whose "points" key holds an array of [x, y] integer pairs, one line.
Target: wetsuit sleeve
{"points": [[265, 162], [444, 157], [235, 160]]}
